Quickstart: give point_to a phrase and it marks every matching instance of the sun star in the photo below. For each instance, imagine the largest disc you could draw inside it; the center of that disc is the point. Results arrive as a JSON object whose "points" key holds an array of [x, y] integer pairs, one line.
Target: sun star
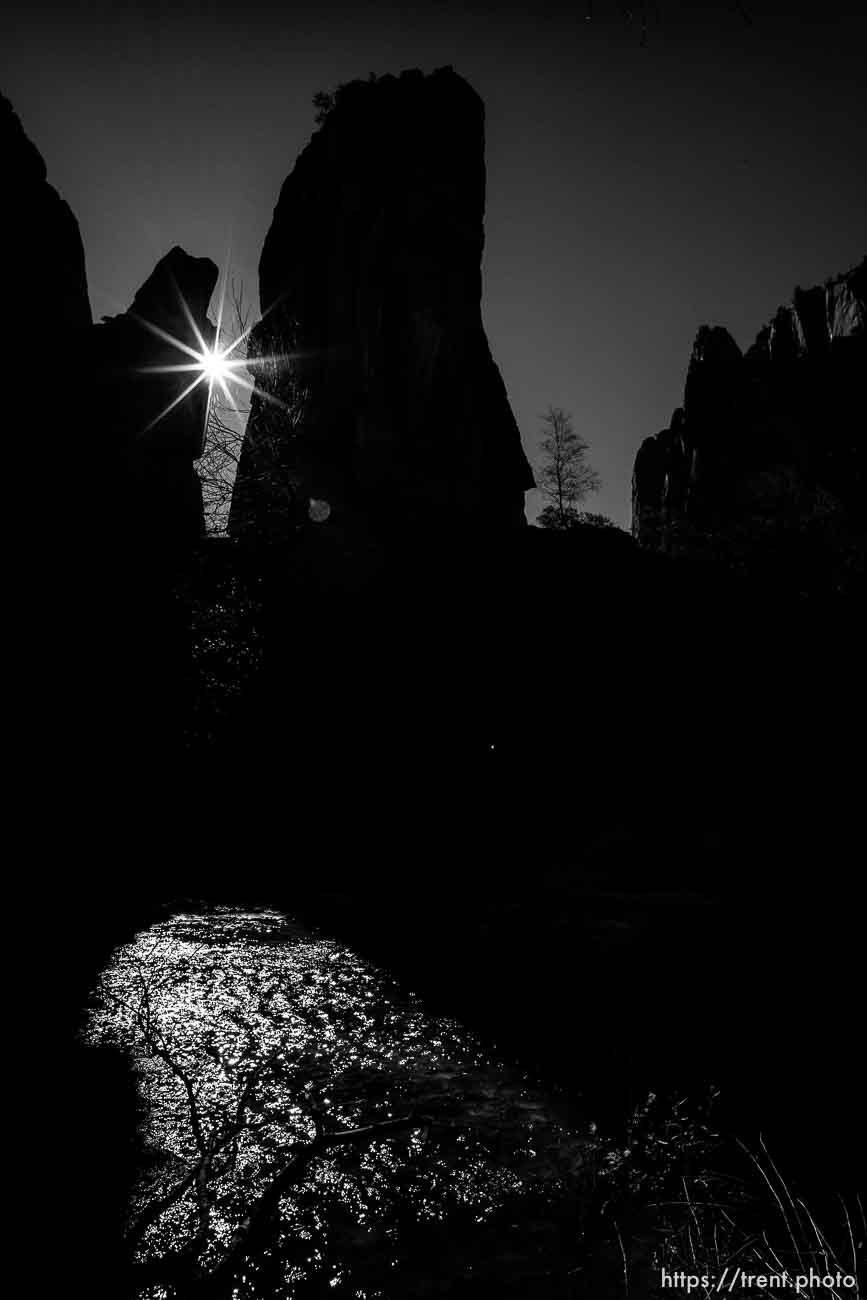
{"points": [[210, 365], [215, 367]]}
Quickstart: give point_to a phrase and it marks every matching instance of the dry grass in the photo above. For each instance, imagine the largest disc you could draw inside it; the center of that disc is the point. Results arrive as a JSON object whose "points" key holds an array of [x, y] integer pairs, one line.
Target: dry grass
{"points": [[701, 1232]]}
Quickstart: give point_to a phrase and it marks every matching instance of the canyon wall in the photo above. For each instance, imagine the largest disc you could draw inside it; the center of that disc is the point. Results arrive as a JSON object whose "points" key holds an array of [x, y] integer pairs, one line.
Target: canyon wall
{"points": [[765, 464], [381, 405]]}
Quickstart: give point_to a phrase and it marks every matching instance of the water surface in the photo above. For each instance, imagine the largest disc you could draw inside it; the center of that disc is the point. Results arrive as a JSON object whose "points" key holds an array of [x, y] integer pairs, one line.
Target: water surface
{"points": [[310, 1129]]}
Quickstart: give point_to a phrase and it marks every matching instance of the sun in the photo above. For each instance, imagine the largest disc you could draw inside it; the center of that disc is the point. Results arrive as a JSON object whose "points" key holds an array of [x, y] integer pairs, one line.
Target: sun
{"points": [[210, 366], [215, 367]]}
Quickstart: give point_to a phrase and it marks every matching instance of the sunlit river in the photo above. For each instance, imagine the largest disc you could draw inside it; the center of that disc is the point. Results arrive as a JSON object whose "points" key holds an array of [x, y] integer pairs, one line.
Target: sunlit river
{"points": [[311, 1130]]}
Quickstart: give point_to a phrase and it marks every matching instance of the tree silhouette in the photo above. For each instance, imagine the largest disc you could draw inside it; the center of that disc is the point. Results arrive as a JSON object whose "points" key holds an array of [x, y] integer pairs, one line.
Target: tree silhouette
{"points": [[564, 478], [549, 518]]}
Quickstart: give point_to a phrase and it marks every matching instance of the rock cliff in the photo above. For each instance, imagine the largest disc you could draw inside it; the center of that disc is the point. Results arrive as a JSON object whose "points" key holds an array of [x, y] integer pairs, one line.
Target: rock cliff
{"points": [[766, 462], [100, 496], [151, 432], [107, 467], [47, 255], [382, 399]]}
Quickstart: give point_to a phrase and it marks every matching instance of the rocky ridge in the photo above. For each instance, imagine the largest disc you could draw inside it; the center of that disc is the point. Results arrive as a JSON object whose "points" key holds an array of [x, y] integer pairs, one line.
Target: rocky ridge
{"points": [[766, 457]]}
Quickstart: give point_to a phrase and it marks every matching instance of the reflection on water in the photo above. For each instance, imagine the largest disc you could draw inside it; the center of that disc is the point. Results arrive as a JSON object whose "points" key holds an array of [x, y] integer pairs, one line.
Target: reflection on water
{"points": [[311, 1130]]}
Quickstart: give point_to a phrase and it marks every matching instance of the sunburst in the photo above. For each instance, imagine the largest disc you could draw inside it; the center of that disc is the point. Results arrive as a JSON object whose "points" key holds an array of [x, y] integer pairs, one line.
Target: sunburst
{"points": [[213, 366]]}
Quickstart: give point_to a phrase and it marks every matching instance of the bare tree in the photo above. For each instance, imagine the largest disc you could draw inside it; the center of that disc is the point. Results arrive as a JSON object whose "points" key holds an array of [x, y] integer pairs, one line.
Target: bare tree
{"points": [[565, 478], [227, 417]]}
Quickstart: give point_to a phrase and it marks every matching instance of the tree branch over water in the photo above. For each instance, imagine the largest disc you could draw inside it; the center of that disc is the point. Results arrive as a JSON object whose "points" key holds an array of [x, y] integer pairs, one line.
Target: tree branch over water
{"points": [[288, 1089], [220, 1109]]}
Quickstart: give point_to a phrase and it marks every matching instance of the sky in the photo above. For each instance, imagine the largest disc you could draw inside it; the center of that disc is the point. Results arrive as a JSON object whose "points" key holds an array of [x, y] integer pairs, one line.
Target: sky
{"points": [[636, 189]]}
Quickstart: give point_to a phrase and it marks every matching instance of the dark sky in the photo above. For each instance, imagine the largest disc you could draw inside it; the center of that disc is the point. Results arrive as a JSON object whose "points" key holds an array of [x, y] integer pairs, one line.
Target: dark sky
{"points": [[634, 192]]}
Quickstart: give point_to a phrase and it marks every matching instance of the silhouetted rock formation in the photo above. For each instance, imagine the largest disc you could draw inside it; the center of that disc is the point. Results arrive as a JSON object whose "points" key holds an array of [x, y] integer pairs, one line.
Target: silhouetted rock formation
{"points": [[47, 457], [116, 471], [391, 408], [149, 431], [763, 467], [46, 252]]}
